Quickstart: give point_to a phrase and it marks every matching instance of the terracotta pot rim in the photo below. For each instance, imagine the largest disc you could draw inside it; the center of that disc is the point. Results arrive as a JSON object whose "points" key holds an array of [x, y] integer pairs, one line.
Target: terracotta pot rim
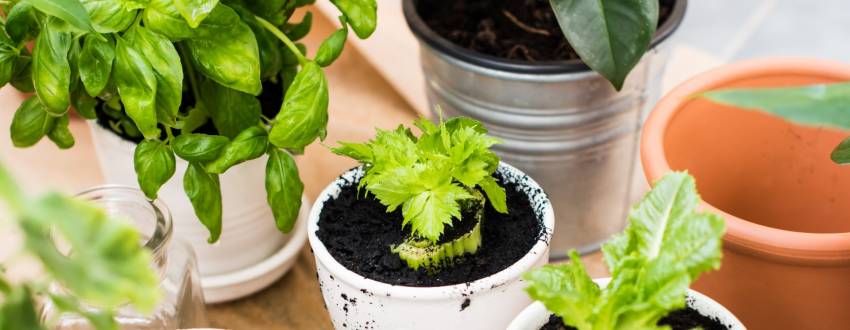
{"points": [[742, 235]]}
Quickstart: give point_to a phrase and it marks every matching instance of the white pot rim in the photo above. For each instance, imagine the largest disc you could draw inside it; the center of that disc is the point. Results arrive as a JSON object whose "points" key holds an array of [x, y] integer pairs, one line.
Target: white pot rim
{"points": [[537, 312], [467, 289]]}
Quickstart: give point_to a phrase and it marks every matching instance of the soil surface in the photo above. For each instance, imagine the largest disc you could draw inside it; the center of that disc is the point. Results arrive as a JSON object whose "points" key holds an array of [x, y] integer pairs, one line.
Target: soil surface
{"points": [[684, 319], [525, 30], [358, 233]]}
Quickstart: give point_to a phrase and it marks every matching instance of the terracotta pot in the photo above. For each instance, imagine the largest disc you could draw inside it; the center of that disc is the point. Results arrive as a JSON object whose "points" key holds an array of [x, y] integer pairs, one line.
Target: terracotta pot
{"points": [[786, 258]]}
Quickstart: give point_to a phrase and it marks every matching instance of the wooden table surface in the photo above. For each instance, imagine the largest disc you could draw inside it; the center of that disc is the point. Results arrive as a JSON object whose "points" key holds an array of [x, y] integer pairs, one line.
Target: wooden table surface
{"points": [[360, 100]]}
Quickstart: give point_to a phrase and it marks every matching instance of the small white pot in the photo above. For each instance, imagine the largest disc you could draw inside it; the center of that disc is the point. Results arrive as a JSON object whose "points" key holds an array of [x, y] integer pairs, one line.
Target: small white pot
{"points": [[536, 315], [356, 302], [249, 237]]}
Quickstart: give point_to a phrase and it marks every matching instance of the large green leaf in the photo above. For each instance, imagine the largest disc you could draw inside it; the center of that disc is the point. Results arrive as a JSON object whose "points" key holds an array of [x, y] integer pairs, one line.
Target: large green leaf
{"points": [[51, 72], [816, 105], [361, 15], [303, 116], [231, 111], [566, 290], [249, 144], [204, 191], [199, 147], [71, 11], [137, 85], [841, 154], [195, 11], [22, 22], [30, 123], [167, 69], [610, 36], [95, 65], [163, 17], [154, 163], [227, 52], [283, 189], [108, 16]]}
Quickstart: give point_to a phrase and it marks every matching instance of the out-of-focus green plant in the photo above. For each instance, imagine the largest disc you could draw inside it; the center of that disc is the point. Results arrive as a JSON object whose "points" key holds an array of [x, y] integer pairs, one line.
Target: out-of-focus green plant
{"points": [[107, 267], [814, 105], [183, 77]]}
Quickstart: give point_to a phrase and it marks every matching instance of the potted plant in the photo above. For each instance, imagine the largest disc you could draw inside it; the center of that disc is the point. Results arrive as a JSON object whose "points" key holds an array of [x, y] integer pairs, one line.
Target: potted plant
{"points": [[665, 247], [433, 223], [107, 268], [219, 93], [773, 182], [550, 79]]}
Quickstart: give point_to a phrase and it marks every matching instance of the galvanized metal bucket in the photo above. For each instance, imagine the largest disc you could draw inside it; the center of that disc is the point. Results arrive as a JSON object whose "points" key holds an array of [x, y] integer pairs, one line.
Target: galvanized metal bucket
{"points": [[560, 122]]}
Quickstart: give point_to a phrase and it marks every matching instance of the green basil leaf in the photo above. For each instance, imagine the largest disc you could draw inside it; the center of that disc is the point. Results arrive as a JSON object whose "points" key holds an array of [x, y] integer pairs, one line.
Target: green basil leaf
{"points": [[51, 71], [298, 31], [60, 134], [194, 11], [154, 164], [332, 47], [70, 11], [230, 56], [136, 83], [22, 78], [231, 111], [304, 114], [248, 145], [8, 58], [362, 15], [199, 147], [22, 22], [84, 104], [30, 123], [271, 10], [609, 36], [108, 16], [283, 189], [271, 56], [166, 65], [204, 191], [96, 62], [841, 154], [163, 17], [195, 118]]}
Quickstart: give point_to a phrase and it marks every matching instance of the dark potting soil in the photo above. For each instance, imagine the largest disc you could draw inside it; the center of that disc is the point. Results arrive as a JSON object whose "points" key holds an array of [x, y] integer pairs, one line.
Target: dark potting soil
{"points": [[524, 30], [358, 233], [684, 319], [270, 101]]}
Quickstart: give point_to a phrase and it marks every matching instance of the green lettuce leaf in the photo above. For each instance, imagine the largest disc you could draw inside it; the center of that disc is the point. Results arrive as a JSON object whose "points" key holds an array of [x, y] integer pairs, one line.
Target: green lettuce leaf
{"points": [[665, 247]]}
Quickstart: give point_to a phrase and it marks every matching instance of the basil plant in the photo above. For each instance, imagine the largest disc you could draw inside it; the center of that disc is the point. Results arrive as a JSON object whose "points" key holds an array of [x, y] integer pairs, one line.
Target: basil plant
{"points": [[215, 83]]}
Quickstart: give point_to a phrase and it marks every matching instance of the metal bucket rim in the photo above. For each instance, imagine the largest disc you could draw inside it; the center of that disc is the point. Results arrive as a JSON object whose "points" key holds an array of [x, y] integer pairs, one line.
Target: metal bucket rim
{"points": [[445, 47]]}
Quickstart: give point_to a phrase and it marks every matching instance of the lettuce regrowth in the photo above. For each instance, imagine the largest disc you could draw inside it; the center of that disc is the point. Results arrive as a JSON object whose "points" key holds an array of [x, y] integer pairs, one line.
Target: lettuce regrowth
{"points": [[435, 178], [665, 247]]}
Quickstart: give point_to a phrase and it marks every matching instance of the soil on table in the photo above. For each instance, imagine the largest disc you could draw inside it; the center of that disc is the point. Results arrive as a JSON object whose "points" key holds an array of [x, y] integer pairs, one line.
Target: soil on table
{"points": [[684, 319], [358, 233], [525, 30]]}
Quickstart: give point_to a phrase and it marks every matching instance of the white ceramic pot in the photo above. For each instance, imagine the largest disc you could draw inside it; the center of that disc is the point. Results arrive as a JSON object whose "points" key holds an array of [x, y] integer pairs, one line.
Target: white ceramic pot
{"points": [[536, 315], [356, 302], [249, 237]]}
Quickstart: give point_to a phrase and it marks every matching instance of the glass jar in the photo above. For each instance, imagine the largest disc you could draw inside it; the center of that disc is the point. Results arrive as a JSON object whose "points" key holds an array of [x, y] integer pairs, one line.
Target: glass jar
{"points": [[182, 303]]}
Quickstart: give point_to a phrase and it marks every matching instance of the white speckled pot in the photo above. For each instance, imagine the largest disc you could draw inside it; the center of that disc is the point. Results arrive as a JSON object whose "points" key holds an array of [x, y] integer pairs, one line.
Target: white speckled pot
{"points": [[356, 302], [536, 315]]}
